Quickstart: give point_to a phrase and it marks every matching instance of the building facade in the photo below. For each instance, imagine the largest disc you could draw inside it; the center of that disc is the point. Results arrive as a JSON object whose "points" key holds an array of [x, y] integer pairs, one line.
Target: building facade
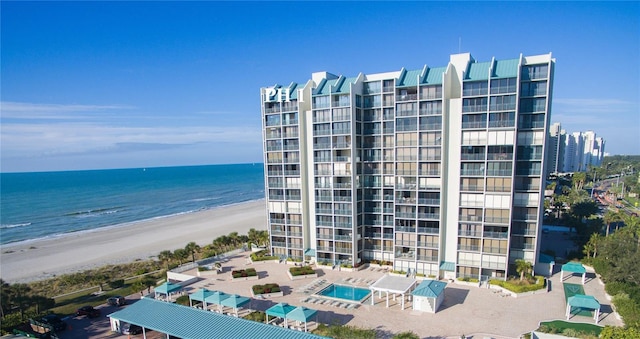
{"points": [[576, 152], [438, 171]]}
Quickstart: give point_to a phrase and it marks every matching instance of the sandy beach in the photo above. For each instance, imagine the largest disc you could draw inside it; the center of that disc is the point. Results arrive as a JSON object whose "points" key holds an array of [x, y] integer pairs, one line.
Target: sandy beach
{"points": [[41, 259]]}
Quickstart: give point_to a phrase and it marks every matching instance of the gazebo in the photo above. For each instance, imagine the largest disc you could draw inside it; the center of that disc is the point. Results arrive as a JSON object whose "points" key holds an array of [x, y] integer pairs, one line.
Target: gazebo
{"points": [[584, 302], [216, 298], [235, 301], [302, 314], [394, 285], [428, 295], [166, 289], [201, 295], [574, 267], [279, 310]]}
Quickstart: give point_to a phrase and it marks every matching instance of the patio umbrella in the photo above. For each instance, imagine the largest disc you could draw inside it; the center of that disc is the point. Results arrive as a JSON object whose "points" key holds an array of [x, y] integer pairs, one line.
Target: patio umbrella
{"points": [[301, 314], [200, 295], [279, 310], [235, 301], [216, 298]]}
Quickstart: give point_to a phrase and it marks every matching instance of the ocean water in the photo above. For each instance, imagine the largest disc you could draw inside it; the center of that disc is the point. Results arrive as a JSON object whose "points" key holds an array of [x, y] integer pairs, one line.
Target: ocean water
{"points": [[47, 204]]}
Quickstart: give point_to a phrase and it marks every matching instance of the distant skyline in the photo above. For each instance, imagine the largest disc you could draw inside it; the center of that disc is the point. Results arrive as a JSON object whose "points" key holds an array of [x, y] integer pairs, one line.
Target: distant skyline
{"points": [[89, 85]]}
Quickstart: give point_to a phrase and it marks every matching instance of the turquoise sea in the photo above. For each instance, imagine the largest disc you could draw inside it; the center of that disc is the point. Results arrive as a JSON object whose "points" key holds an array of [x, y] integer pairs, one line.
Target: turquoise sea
{"points": [[47, 204]]}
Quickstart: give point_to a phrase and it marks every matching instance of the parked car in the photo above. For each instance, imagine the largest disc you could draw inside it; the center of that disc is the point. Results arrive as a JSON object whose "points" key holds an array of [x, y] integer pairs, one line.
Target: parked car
{"points": [[89, 311], [132, 329], [54, 321], [116, 301]]}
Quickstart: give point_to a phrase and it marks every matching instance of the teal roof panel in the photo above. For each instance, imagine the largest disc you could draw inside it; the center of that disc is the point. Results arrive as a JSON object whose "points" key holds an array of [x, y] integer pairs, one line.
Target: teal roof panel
{"points": [[584, 301], [506, 68], [409, 78], [167, 288], [343, 86], [547, 259], [478, 71], [324, 88], [574, 267], [448, 266], [429, 288], [433, 76], [191, 323]]}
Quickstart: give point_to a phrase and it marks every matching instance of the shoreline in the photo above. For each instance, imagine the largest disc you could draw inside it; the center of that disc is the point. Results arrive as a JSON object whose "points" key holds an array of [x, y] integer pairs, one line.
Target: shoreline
{"points": [[43, 258], [124, 224]]}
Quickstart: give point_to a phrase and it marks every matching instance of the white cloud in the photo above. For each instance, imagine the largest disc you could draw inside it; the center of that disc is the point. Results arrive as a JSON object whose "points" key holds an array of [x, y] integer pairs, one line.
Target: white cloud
{"points": [[25, 110], [29, 140]]}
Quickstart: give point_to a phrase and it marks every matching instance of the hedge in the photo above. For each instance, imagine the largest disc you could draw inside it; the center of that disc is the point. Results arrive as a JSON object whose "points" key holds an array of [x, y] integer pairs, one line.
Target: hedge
{"points": [[267, 288], [513, 287], [261, 256], [302, 270], [249, 272]]}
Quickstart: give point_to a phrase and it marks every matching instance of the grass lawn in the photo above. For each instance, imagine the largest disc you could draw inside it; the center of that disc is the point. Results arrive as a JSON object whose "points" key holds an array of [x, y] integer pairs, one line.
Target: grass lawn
{"points": [[580, 327]]}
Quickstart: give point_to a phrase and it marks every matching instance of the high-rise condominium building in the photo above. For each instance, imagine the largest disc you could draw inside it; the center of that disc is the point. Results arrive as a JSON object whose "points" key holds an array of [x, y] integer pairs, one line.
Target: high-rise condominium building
{"points": [[436, 170]]}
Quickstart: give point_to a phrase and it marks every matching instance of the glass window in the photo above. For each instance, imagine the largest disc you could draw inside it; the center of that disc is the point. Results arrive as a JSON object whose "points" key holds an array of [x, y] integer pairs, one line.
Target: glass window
{"points": [[431, 92], [530, 89], [474, 105], [473, 88], [474, 121], [431, 107], [533, 72], [502, 103], [507, 85], [372, 87], [321, 101], [533, 105], [503, 119]]}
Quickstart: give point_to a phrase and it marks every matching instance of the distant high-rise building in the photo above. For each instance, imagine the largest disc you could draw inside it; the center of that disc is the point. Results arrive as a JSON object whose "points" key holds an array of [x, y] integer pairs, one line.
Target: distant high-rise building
{"points": [[437, 170], [575, 152]]}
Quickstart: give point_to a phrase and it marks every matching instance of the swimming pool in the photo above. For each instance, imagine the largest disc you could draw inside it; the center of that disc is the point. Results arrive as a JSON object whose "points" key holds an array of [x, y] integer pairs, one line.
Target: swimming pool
{"points": [[349, 293]]}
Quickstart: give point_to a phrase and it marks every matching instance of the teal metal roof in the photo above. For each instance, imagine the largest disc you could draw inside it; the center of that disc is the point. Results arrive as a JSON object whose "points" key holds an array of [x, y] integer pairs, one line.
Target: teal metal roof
{"points": [[200, 295], [293, 93], [433, 76], [310, 252], [235, 301], [478, 71], [191, 323], [506, 68], [448, 266], [167, 288], [547, 259], [574, 267], [409, 78], [324, 87], [343, 85], [301, 313], [429, 288], [584, 301], [280, 310]]}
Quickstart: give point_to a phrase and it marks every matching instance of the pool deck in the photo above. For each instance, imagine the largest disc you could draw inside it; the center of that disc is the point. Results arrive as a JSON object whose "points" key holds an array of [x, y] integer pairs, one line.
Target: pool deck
{"points": [[469, 310]]}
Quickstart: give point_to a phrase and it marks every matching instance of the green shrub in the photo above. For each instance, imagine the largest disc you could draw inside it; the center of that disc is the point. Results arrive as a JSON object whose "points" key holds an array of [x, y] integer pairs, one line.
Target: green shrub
{"points": [[266, 288], [406, 335], [249, 272], [183, 300], [518, 286], [398, 272], [258, 316], [628, 309], [262, 256], [203, 269], [116, 283], [468, 279], [301, 270], [344, 332]]}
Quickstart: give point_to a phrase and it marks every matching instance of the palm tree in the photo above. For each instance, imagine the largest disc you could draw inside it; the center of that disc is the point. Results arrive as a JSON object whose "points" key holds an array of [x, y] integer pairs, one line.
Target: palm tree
{"points": [[234, 239], [522, 267], [253, 236], [165, 256], [20, 295], [610, 217], [180, 254], [192, 248]]}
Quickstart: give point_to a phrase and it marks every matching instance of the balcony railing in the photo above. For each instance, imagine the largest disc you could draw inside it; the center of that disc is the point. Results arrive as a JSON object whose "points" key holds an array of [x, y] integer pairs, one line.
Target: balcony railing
{"points": [[471, 188], [406, 97], [429, 201], [428, 230], [426, 258], [434, 216], [466, 233], [496, 220], [470, 248], [430, 127], [431, 244], [472, 156], [470, 218], [324, 236], [405, 229], [495, 250], [497, 235]]}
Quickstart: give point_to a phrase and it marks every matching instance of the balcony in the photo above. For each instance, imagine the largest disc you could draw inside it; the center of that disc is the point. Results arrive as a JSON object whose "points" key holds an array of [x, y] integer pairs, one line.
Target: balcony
{"points": [[278, 244], [278, 232], [344, 237], [387, 235], [343, 212], [293, 197], [525, 232], [522, 246], [290, 134], [496, 220], [292, 173], [323, 198], [499, 173], [273, 135], [519, 216], [341, 131], [502, 123], [472, 172], [322, 146], [495, 250], [276, 197], [474, 124], [324, 249], [432, 216], [494, 265], [470, 218], [465, 262], [428, 230], [430, 127], [291, 147], [430, 172], [469, 248], [406, 256], [295, 245], [407, 97], [435, 202], [324, 236], [426, 258], [472, 156], [344, 250], [496, 235], [471, 188], [277, 220], [428, 244], [466, 233], [324, 211], [406, 229], [346, 225], [290, 122]]}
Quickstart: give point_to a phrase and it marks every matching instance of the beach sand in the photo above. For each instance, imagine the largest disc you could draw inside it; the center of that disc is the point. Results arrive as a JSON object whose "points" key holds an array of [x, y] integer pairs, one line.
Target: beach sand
{"points": [[41, 259]]}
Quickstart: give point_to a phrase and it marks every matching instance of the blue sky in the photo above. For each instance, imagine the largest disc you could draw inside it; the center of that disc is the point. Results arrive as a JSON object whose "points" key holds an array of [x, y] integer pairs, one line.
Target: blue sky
{"points": [[143, 84]]}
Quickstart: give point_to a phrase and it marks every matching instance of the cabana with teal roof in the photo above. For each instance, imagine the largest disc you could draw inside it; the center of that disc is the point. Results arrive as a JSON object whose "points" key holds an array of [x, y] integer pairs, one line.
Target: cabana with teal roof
{"points": [[302, 315], [201, 295], [167, 289], [574, 267], [279, 311], [428, 296], [235, 301], [584, 302], [216, 298]]}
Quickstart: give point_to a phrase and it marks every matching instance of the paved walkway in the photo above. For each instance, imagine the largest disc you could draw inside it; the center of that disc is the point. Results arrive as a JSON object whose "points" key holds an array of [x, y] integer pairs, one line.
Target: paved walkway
{"points": [[465, 310]]}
